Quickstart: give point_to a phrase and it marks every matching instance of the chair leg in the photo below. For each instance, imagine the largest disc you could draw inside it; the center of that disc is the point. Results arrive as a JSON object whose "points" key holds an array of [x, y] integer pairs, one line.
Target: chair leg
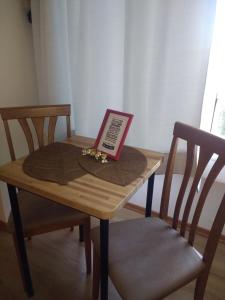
{"points": [[87, 245], [96, 275], [81, 233], [19, 261], [200, 286]]}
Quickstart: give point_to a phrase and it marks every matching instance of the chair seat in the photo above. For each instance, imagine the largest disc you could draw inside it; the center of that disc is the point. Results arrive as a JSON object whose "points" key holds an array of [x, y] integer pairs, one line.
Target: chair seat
{"points": [[42, 215], [148, 259]]}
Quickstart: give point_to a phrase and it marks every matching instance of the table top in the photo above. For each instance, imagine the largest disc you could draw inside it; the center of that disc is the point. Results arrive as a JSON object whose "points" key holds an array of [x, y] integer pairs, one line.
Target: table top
{"points": [[88, 193]]}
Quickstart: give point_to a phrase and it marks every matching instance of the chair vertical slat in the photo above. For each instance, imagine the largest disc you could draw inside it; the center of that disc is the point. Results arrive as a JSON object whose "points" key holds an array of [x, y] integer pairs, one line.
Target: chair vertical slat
{"points": [[187, 173], [215, 170], [51, 129], [37, 114], [39, 128], [168, 180], [9, 140], [68, 126], [28, 134], [204, 157], [210, 249], [215, 233]]}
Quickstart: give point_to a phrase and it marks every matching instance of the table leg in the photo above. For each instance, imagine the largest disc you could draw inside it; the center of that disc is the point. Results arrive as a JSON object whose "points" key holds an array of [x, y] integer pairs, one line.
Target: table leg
{"points": [[19, 237], [104, 248], [148, 209]]}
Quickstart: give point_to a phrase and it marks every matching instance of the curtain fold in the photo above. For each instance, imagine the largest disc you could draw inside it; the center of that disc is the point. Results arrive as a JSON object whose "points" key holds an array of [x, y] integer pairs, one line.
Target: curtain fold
{"points": [[145, 57]]}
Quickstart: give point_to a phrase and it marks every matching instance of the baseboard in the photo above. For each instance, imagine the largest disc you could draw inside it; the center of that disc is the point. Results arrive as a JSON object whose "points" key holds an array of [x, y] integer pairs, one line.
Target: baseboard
{"points": [[141, 210]]}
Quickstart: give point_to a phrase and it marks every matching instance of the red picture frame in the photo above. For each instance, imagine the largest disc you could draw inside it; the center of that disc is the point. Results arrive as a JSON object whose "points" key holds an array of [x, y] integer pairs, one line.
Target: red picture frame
{"points": [[113, 132]]}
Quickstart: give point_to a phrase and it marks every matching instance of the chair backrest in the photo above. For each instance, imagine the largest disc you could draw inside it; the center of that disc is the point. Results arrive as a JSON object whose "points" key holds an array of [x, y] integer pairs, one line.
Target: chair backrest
{"points": [[208, 145], [38, 116]]}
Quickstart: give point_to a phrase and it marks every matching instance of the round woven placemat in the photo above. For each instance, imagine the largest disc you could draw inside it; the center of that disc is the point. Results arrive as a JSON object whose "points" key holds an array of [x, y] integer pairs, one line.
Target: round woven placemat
{"points": [[131, 165], [57, 162]]}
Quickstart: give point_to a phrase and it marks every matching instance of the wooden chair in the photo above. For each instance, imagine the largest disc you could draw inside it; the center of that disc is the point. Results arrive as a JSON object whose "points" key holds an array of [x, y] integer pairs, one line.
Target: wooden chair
{"points": [[40, 215], [149, 258]]}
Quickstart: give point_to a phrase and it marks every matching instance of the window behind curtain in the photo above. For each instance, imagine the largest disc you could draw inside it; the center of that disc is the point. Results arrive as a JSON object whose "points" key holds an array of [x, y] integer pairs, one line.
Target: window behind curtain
{"points": [[213, 113]]}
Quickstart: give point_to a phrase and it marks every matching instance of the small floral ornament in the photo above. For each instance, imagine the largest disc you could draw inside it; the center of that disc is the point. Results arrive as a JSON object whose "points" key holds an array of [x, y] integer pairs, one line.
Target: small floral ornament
{"points": [[98, 155]]}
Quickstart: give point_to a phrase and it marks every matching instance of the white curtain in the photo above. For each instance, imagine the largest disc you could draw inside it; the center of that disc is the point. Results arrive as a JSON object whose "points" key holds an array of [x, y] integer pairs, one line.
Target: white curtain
{"points": [[146, 57]]}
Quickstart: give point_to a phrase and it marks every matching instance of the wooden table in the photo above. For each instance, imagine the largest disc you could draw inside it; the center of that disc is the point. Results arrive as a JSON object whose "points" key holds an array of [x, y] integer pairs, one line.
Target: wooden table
{"points": [[88, 194]]}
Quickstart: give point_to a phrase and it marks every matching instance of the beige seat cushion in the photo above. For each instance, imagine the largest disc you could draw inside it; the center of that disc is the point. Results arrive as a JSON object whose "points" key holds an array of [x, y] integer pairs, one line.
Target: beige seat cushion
{"points": [[38, 212], [148, 259]]}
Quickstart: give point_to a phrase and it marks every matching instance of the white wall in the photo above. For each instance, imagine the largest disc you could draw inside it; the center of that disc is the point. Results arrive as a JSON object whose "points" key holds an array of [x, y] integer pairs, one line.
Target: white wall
{"points": [[17, 74]]}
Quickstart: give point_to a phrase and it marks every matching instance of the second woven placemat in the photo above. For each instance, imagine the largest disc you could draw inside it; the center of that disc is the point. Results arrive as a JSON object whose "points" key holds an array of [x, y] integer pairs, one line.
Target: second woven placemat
{"points": [[131, 165]]}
